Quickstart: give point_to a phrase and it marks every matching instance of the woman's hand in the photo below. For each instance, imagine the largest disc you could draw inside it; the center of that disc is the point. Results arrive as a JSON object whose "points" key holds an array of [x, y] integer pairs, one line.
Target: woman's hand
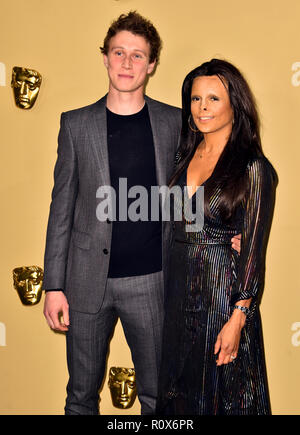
{"points": [[228, 340], [236, 243]]}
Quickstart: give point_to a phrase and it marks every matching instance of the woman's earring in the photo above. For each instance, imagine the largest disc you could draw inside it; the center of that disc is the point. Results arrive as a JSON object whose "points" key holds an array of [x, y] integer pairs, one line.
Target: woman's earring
{"points": [[189, 123]]}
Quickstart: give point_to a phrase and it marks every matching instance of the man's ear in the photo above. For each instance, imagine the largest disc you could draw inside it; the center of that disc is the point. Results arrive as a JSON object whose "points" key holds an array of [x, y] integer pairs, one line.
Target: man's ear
{"points": [[151, 67], [105, 60]]}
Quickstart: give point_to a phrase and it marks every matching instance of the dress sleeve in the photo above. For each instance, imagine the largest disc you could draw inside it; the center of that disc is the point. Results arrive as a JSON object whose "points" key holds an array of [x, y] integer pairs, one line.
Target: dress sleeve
{"points": [[256, 224]]}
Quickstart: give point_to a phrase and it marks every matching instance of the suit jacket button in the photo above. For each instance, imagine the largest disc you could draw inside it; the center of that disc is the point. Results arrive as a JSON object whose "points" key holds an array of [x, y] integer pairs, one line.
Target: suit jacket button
{"points": [[105, 251]]}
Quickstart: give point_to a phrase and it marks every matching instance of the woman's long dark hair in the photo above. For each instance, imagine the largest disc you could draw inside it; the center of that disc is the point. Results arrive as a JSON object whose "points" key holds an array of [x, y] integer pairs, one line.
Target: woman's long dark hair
{"points": [[243, 145]]}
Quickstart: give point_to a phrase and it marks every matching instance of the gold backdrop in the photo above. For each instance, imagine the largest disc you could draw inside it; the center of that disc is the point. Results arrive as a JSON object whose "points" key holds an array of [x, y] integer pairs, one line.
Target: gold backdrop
{"points": [[60, 39]]}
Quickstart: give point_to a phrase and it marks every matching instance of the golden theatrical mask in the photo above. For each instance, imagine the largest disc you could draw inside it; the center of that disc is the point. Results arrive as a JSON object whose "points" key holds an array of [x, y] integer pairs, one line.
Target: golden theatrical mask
{"points": [[26, 85], [28, 282], [122, 387]]}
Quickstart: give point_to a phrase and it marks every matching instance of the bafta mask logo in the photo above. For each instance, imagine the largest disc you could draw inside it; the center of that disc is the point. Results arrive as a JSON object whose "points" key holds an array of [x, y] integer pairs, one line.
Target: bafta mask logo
{"points": [[28, 282], [122, 387], [26, 85], [2, 74]]}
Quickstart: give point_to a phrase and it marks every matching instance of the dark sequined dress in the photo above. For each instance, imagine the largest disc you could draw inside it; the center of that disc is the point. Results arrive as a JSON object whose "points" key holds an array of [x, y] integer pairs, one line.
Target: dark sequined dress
{"points": [[206, 277]]}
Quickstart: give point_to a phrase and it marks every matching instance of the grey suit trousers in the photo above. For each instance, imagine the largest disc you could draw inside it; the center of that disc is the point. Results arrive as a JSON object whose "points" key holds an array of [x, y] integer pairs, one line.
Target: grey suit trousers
{"points": [[138, 302]]}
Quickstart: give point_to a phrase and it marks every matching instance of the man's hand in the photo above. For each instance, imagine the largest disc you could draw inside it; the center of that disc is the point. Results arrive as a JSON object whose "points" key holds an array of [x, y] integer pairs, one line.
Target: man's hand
{"points": [[236, 243], [56, 310]]}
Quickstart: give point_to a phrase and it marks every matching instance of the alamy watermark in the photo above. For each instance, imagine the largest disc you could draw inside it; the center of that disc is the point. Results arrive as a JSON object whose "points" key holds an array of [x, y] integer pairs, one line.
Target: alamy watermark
{"points": [[164, 203]]}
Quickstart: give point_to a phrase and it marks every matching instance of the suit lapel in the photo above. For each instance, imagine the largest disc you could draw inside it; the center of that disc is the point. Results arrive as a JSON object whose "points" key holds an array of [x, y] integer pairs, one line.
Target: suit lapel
{"points": [[161, 154], [98, 136]]}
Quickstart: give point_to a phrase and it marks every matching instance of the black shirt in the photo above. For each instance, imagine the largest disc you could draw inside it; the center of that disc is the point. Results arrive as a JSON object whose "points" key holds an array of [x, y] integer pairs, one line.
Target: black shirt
{"points": [[136, 247]]}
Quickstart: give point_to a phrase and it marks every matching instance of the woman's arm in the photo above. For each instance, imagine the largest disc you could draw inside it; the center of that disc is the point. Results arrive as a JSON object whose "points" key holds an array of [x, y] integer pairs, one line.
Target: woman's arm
{"points": [[228, 339], [259, 206]]}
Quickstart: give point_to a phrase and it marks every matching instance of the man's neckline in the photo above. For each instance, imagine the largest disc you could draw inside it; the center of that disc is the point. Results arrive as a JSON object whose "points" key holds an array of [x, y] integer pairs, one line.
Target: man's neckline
{"points": [[129, 114]]}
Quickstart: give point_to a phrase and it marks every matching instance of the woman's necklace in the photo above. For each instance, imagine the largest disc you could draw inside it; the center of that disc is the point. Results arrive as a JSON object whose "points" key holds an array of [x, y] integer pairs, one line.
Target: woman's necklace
{"points": [[199, 151]]}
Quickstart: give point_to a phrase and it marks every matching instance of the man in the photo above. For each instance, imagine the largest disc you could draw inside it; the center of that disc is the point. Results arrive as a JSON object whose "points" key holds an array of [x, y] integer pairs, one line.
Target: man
{"points": [[104, 270]]}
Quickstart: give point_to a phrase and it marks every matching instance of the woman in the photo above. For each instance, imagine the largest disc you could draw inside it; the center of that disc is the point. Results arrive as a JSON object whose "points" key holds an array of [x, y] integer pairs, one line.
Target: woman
{"points": [[213, 358]]}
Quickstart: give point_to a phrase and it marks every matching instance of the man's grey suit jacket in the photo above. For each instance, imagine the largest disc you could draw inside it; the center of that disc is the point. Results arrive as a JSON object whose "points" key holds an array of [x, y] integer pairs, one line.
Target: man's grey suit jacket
{"points": [[78, 244]]}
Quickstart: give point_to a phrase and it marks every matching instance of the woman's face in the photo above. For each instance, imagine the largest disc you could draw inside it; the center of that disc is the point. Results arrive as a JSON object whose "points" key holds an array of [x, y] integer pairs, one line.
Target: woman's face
{"points": [[210, 105]]}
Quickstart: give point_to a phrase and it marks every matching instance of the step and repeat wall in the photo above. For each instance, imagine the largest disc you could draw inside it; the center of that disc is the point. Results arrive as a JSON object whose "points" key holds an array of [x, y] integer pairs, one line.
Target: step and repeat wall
{"points": [[60, 41]]}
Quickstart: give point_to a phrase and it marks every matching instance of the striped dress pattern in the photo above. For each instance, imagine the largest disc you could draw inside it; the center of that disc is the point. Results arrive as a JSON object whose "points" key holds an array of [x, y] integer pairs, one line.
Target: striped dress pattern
{"points": [[205, 278]]}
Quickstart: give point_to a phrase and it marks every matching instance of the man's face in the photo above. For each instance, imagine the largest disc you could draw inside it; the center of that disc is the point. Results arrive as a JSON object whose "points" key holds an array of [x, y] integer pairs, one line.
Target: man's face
{"points": [[127, 62], [28, 283], [26, 85], [122, 387]]}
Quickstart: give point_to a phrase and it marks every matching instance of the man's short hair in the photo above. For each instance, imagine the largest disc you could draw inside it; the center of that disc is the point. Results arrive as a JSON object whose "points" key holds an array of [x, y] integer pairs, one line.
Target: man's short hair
{"points": [[133, 22]]}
